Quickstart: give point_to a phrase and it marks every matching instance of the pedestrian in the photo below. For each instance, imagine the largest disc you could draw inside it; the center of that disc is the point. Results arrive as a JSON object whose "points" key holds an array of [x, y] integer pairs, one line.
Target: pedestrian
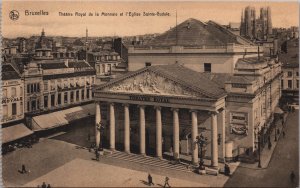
{"points": [[292, 176], [269, 145], [44, 185], [150, 182], [23, 169], [167, 182], [48, 186], [97, 155], [226, 170]]}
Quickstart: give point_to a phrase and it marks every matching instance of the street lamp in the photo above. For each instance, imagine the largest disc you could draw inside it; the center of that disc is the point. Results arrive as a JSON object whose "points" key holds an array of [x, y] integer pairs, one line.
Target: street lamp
{"points": [[259, 142], [201, 141]]}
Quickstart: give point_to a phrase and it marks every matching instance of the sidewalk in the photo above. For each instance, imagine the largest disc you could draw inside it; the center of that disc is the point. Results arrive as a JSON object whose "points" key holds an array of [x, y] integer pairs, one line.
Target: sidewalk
{"points": [[266, 153]]}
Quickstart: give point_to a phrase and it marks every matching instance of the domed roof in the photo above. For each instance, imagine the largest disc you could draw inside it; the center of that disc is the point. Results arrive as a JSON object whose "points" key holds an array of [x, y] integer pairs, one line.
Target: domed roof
{"points": [[44, 42]]}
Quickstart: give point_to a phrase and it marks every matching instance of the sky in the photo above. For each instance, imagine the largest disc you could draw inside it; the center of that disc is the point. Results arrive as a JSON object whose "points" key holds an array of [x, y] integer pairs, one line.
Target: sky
{"points": [[284, 14]]}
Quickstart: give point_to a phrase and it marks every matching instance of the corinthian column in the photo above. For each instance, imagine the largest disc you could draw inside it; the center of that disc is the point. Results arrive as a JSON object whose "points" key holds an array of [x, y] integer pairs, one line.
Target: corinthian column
{"points": [[175, 133], [126, 129], [158, 133], [195, 159], [112, 126], [142, 130], [97, 123], [214, 143]]}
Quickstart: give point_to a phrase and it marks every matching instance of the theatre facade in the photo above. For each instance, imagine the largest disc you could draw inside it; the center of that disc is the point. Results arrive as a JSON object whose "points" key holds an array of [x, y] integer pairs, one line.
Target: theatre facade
{"points": [[160, 109]]}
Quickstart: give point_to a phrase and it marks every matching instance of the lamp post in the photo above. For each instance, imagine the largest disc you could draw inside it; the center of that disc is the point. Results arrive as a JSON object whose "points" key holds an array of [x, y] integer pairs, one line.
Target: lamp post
{"points": [[259, 142], [201, 141]]}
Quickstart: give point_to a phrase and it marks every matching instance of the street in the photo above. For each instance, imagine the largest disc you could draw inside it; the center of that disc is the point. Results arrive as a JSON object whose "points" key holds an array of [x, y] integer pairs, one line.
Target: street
{"points": [[284, 159]]}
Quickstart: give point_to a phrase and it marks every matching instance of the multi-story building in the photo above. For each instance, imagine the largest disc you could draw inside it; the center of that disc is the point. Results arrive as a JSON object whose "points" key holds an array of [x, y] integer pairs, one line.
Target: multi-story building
{"points": [[106, 64], [290, 69], [198, 78], [12, 95], [12, 126]]}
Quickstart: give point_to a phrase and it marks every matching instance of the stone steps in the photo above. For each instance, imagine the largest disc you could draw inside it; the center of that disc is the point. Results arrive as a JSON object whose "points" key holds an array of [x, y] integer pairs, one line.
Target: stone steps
{"points": [[147, 160]]}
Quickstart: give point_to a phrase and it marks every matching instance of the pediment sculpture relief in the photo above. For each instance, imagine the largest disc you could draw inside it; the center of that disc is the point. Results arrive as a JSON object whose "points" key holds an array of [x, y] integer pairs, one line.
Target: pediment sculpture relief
{"points": [[151, 83]]}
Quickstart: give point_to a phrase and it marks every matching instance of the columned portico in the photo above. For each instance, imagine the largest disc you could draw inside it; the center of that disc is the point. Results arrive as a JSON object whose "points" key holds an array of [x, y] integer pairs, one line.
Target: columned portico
{"points": [[126, 128], [214, 140], [158, 132], [156, 99], [112, 126], [175, 133], [142, 130]]}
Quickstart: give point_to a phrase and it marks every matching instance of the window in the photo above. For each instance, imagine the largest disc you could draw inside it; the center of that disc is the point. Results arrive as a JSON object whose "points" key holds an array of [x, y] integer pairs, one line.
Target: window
{"points": [[14, 109], [297, 84], [46, 101], [281, 83], [82, 94], [290, 83], [148, 64], [290, 73], [77, 95], [28, 106], [46, 85], [13, 92], [297, 73], [59, 99], [21, 91], [207, 67], [87, 93], [28, 88], [66, 97], [72, 96], [52, 100]]}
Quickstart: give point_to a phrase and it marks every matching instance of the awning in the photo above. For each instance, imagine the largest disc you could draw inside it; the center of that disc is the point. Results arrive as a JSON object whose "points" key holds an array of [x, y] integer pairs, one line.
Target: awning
{"points": [[63, 117], [278, 110], [15, 132]]}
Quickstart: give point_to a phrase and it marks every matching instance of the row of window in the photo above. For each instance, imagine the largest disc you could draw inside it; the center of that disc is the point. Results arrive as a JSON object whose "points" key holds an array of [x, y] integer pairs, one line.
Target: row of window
{"points": [[207, 66], [74, 96], [107, 57], [290, 73], [290, 84], [33, 88], [66, 84], [13, 92]]}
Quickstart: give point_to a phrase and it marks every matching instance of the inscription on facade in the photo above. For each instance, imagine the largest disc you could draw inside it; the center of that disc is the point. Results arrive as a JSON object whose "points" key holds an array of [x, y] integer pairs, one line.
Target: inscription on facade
{"points": [[150, 99], [11, 99]]}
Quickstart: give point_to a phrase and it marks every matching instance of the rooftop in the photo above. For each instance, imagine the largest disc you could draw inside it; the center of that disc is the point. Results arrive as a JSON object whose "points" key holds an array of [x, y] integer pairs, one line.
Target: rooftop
{"points": [[9, 73], [193, 32]]}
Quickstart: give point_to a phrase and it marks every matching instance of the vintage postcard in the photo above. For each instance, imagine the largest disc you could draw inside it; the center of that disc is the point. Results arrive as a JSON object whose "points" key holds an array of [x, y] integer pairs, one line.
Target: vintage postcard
{"points": [[150, 94]]}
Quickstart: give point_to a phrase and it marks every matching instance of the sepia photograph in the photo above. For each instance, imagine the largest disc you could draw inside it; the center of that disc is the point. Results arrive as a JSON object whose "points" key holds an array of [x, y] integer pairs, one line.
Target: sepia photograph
{"points": [[149, 93]]}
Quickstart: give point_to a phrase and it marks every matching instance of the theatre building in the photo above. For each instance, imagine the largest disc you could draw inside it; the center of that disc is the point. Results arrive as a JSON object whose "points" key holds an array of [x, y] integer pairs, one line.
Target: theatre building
{"points": [[163, 108], [160, 109]]}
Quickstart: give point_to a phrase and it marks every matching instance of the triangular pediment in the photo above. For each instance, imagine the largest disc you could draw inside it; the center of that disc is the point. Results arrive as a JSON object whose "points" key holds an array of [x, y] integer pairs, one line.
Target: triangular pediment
{"points": [[148, 82]]}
